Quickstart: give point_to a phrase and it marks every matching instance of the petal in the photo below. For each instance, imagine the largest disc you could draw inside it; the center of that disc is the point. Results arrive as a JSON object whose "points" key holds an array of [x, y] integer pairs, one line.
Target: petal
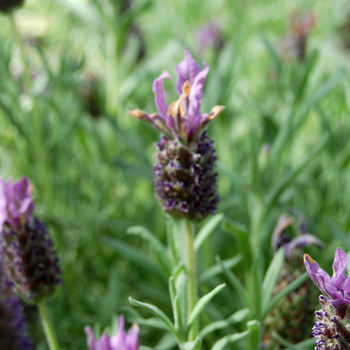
{"points": [[186, 70], [300, 241], [132, 338], [283, 222], [91, 338], [104, 342], [158, 89], [339, 266], [195, 98], [118, 340], [320, 277]]}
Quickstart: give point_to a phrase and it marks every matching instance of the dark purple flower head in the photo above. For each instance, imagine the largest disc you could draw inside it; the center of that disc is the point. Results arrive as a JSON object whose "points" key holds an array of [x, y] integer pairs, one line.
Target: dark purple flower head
{"points": [[120, 341], [16, 203], [13, 326], [337, 287], [181, 119], [26, 247]]}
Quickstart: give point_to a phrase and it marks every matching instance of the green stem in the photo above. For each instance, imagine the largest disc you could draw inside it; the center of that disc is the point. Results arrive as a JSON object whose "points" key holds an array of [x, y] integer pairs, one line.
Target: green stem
{"points": [[191, 277], [19, 39], [47, 325]]}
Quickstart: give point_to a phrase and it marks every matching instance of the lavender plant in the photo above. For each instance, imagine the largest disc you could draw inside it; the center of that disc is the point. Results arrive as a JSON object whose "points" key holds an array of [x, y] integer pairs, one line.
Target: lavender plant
{"points": [[185, 180], [331, 330], [184, 172], [26, 249]]}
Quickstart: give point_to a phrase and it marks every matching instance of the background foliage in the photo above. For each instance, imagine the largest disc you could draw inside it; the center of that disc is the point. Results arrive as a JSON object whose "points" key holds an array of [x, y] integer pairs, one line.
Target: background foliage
{"points": [[282, 141]]}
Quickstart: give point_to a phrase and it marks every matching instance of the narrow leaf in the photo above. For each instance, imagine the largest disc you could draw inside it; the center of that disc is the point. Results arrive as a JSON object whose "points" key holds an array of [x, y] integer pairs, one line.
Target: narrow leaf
{"points": [[206, 230], [272, 274], [159, 314], [216, 269], [254, 327], [235, 282], [155, 245], [193, 345], [233, 319], [229, 339], [202, 302], [294, 285]]}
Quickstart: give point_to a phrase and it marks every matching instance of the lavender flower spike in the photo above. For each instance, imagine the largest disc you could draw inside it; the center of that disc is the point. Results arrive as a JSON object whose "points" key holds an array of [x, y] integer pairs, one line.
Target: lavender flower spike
{"points": [[181, 119], [26, 247], [184, 172], [120, 341], [331, 330]]}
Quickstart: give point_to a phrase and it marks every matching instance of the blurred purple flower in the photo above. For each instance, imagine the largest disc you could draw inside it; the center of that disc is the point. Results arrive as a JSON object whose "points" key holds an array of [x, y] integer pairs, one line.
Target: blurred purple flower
{"points": [[280, 239], [293, 45], [120, 341], [208, 36], [181, 119], [16, 202], [26, 247], [337, 287]]}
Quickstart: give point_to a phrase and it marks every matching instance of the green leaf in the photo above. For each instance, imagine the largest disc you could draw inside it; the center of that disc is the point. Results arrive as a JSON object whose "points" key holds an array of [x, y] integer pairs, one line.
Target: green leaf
{"points": [[229, 339], [216, 269], [240, 234], [338, 233], [292, 286], [235, 282], [304, 345], [201, 304], [233, 319], [272, 274], [156, 246], [256, 286], [254, 327], [133, 254], [159, 314], [206, 230], [273, 53], [288, 177], [193, 345]]}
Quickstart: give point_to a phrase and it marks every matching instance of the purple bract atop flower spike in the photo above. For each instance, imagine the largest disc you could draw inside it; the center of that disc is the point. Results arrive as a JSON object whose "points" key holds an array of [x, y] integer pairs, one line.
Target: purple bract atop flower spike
{"points": [[182, 119], [26, 247], [16, 202], [184, 172], [332, 327], [120, 341], [337, 287]]}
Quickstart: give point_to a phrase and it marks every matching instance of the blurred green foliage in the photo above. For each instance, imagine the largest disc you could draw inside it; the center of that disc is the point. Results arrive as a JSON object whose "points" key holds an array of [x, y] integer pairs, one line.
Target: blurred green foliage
{"points": [[282, 141]]}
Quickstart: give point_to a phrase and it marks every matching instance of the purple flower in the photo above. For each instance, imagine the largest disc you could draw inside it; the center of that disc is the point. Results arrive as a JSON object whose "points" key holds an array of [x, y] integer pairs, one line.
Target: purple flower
{"points": [[337, 287], [181, 119], [120, 341], [208, 36], [16, 202], [26, 247], [13, 326], [291, 245], [184, 172]]}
